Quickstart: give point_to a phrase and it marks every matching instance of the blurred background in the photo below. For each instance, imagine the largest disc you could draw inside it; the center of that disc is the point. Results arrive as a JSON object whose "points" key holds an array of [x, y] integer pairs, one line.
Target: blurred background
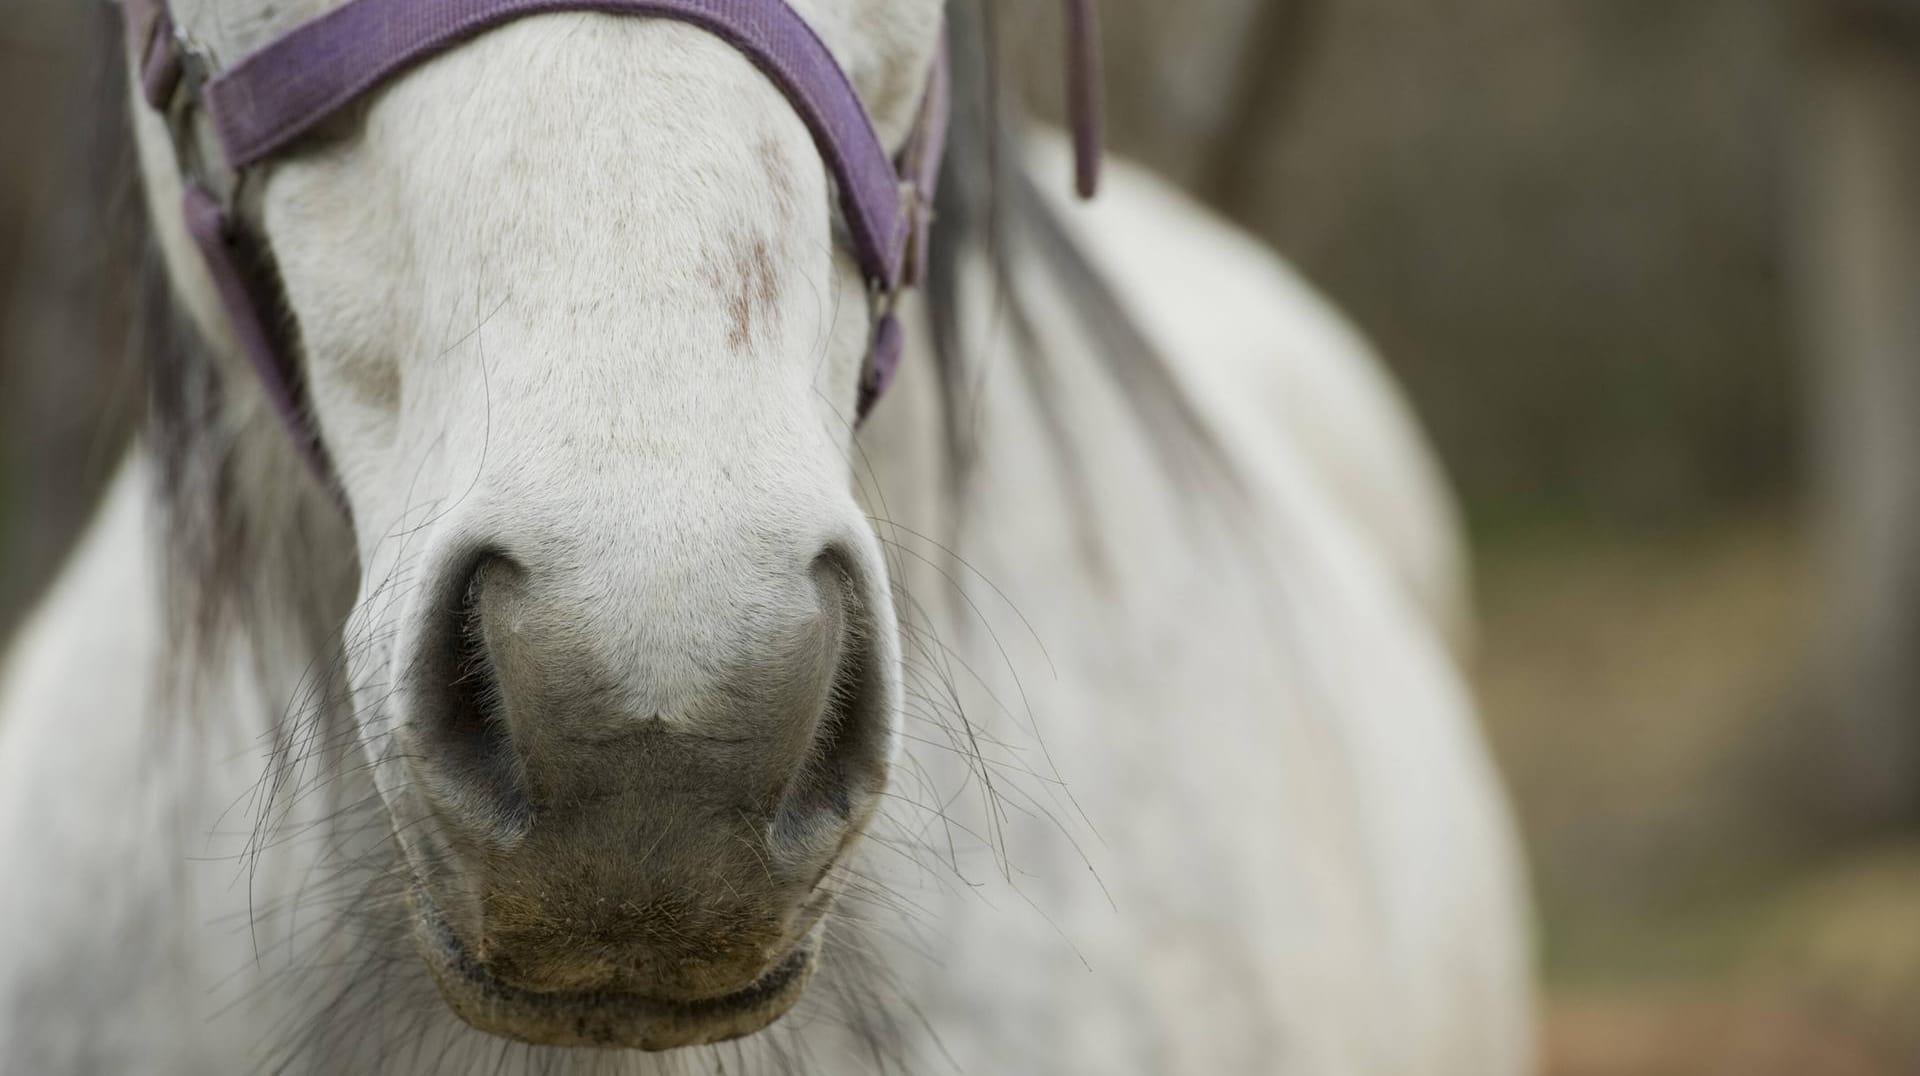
{"points": [[1650, 270]]}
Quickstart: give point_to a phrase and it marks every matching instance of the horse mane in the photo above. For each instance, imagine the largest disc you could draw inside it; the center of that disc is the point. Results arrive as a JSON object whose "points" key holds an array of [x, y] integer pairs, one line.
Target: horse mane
{"points": [[989, 206], [227, 568]]}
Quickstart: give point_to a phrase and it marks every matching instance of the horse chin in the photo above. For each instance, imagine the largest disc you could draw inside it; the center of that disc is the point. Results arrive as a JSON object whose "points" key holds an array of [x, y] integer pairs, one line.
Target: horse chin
{"points": [[603, 1018]]}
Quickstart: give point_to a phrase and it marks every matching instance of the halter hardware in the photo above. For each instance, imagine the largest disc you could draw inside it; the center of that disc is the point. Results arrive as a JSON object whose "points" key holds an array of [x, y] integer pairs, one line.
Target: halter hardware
{"points": [[175, 70]]}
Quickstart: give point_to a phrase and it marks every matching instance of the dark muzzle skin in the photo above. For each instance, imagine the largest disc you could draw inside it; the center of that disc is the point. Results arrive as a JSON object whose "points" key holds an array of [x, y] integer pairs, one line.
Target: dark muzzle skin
{"points": [[592, 873], [602, 1018]]}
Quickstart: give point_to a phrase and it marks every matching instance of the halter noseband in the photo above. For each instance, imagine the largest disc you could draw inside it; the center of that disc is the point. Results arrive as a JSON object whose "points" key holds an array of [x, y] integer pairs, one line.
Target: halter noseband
{"points": [[262, 105]]}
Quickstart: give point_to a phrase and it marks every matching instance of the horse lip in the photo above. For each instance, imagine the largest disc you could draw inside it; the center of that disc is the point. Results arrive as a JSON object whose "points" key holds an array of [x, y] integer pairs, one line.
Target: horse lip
{"points": [[602, 1018]]}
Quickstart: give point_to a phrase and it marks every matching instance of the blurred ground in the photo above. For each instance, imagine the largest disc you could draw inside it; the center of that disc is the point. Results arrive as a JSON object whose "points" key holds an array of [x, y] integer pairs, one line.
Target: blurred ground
{"points": [[1647, 703]]}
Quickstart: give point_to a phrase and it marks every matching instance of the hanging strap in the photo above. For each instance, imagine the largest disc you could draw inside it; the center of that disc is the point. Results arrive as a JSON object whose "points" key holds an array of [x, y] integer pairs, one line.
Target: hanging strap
{"points": [[1085, 111]]}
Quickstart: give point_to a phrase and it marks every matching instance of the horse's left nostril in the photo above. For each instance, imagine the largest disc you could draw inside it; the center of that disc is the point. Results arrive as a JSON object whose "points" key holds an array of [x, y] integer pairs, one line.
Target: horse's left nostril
{"points": [[845, 766]]}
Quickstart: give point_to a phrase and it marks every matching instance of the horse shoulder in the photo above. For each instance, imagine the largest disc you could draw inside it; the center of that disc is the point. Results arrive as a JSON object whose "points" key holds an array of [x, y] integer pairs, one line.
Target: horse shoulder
{"points": [[1373, 576], [73, 695], [119, 798], [81, 659], [1277, 369]]}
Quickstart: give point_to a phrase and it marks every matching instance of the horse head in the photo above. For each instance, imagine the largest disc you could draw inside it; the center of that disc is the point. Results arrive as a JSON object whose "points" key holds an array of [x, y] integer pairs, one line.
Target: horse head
{"points": [[582, 341]]}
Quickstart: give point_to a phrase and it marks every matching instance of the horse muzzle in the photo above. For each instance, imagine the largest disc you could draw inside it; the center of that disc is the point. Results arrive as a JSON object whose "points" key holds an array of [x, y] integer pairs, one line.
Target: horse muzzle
{"points": [[622, 838], [604, 1018]]}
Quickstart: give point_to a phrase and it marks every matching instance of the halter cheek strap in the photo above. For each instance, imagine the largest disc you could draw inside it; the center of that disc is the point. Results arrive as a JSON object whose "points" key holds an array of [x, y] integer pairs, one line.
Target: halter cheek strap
{"points": [[263, 105]]}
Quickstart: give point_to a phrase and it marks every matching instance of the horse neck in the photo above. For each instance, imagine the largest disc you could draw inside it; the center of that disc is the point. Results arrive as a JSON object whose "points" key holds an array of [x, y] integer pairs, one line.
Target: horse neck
{"points": [[256, 573], [258, 555]]}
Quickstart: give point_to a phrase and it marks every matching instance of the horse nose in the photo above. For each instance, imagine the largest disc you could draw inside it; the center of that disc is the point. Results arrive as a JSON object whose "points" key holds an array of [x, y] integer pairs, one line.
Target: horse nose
{"points": [[580, 756], [514, 698]]}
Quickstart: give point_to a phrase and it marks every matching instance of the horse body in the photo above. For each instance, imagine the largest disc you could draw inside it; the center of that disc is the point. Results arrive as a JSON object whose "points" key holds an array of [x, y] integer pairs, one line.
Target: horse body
{"points": [[1188, 780], [1273, 763]]}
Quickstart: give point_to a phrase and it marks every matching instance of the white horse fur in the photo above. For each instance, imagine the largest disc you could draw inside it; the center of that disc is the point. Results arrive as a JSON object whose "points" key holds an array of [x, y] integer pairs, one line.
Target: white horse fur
{"points": [[1178, 785]]}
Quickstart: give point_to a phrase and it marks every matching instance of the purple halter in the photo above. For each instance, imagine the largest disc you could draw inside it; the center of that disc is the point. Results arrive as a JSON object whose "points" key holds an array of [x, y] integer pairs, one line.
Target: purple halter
{"points": [[262, 105]]}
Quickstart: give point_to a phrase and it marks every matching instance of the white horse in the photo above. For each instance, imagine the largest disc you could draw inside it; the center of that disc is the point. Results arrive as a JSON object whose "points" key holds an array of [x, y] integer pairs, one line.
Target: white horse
{"points": [[1081, 713]]}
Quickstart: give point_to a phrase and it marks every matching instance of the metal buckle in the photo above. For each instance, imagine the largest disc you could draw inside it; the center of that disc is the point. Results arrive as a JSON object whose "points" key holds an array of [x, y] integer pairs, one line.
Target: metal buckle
{"points": [[920, 245], [916, 218], [880, 301], [193, 157]]}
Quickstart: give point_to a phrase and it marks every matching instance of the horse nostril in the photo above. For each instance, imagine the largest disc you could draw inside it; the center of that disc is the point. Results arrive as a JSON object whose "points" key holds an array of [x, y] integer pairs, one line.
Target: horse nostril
{"points": [[460, 714], [846, 762]]}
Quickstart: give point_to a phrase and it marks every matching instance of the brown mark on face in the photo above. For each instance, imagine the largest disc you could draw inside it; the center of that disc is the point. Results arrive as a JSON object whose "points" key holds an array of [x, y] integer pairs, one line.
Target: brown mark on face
{"points": [[753, 287], [755, 293], [779, 171]]}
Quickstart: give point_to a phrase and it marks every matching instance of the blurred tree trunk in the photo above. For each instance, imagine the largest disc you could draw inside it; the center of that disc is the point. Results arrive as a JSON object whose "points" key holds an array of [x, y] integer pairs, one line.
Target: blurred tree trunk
{"points": [[67, 400], [1860, 266], [1275, 43]]}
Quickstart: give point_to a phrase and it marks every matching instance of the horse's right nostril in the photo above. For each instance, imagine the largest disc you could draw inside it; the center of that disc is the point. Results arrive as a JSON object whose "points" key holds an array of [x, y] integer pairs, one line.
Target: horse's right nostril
{"points": [[845, 767], [459, 718]]}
